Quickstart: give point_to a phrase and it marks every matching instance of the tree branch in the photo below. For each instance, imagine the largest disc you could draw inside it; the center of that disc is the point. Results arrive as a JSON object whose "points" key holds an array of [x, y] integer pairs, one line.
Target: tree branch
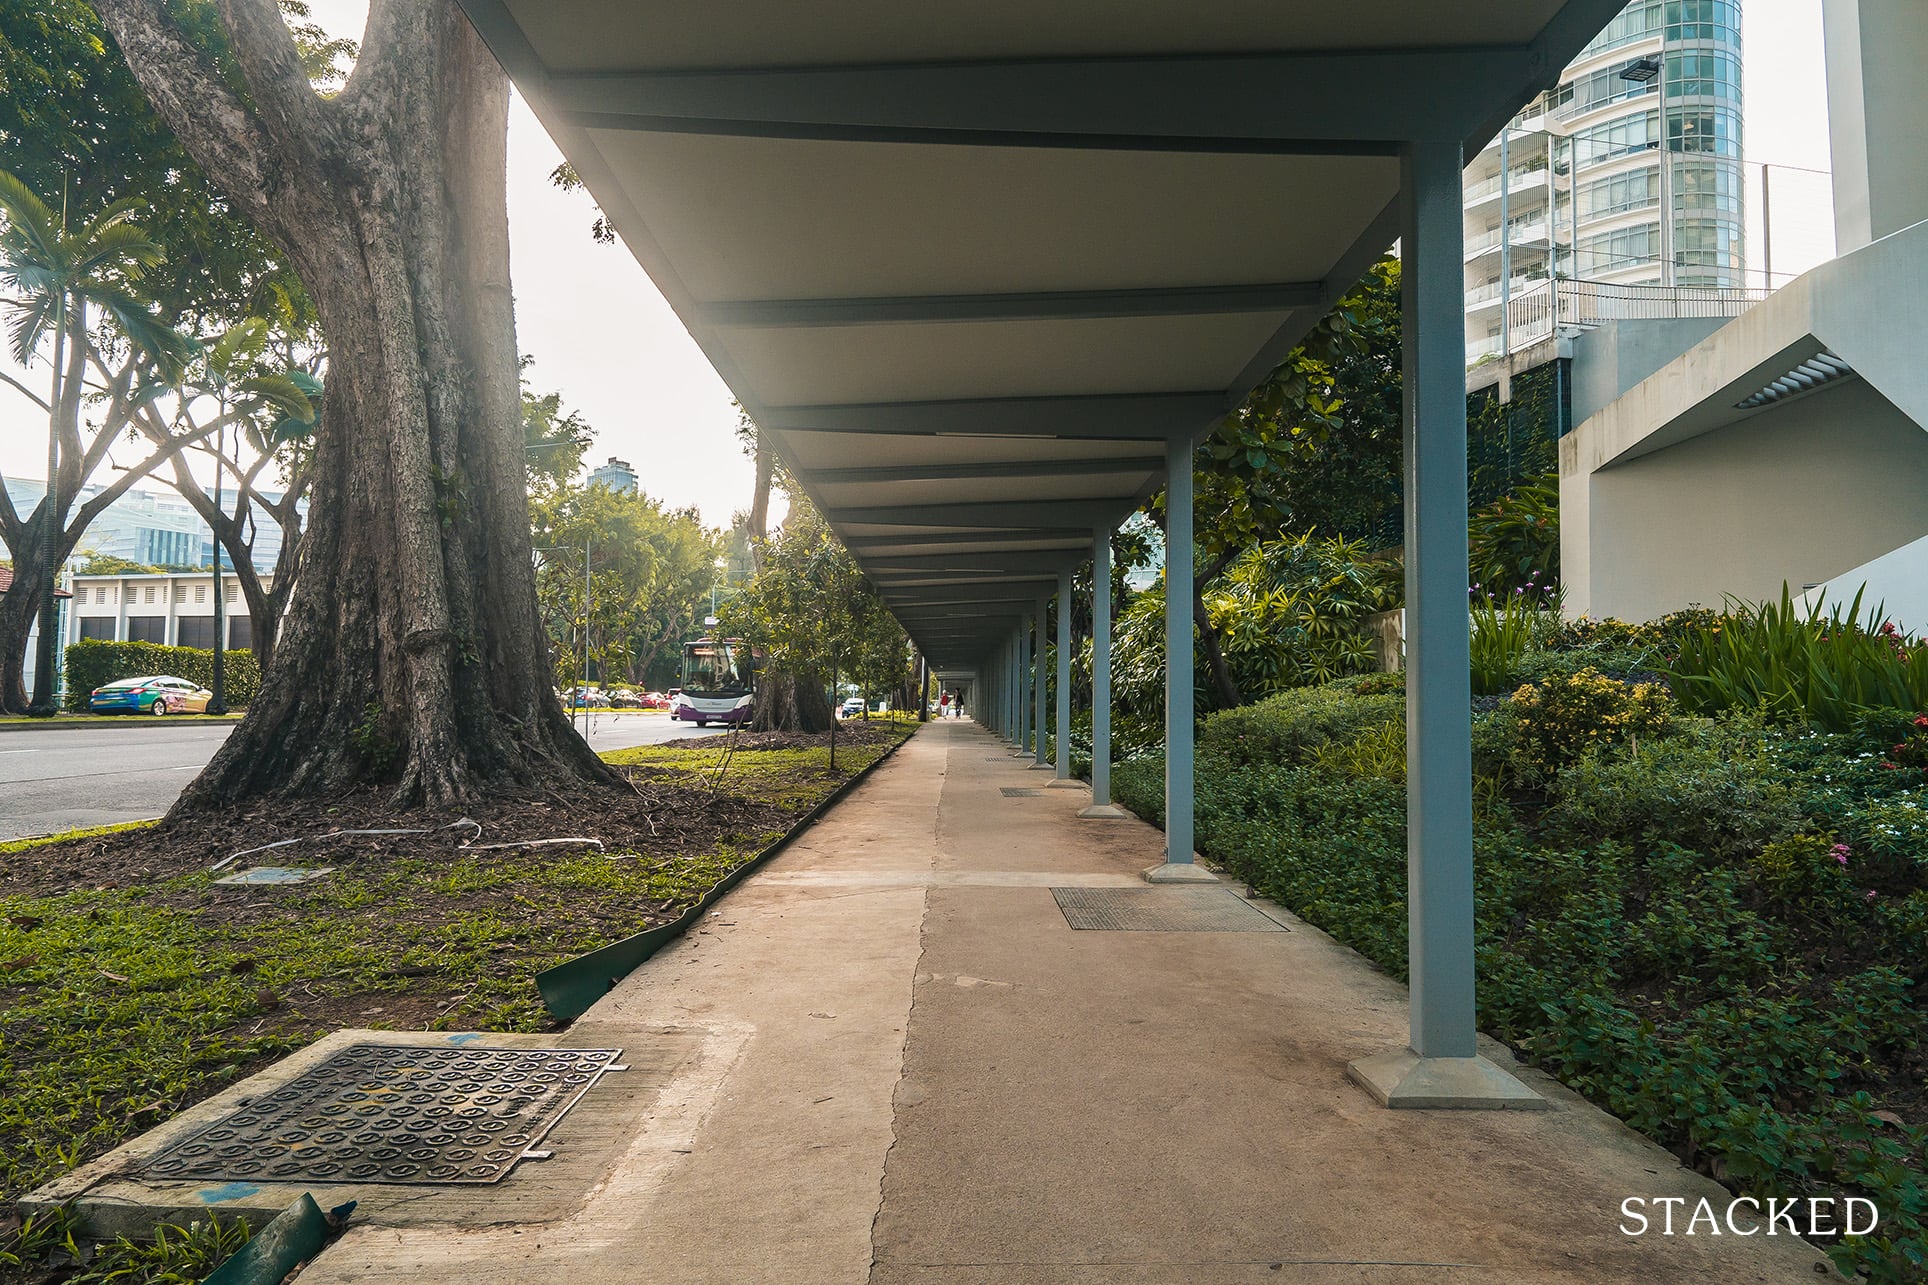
{"points": [[284, 99], [87, 512], [31, 396], [12, 530], [218, 130]]}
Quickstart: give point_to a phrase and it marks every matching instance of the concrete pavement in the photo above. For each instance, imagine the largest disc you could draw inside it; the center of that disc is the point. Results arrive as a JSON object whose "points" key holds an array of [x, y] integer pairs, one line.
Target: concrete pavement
{"points": [[901, 1065]]}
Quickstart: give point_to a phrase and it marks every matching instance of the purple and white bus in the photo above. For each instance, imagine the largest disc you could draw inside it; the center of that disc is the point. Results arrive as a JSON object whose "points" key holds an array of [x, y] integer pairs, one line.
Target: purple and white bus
{"points": [[719, 682]]}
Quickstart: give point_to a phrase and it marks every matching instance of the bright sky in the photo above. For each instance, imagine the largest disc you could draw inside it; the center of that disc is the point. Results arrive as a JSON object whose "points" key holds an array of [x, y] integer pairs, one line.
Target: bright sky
{"points": [[602, 336]]}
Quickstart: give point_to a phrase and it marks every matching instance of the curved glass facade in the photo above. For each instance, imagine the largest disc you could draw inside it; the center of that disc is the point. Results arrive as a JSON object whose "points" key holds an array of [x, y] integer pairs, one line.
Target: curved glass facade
{"points": [[1693, 85]]}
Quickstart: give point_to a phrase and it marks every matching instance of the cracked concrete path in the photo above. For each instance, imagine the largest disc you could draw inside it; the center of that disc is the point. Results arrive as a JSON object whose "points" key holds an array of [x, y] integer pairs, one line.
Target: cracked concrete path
{"points": [[907, 1068]]}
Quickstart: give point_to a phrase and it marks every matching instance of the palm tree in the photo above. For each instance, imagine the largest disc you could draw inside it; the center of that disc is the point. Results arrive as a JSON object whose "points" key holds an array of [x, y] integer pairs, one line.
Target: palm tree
{"points": [[53, 276]]}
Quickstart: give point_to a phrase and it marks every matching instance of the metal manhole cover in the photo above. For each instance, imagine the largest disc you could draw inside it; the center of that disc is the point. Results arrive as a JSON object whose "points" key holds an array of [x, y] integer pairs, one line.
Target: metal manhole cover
{"points": [[1020, 792], [1162, 910], [384, 1113]]}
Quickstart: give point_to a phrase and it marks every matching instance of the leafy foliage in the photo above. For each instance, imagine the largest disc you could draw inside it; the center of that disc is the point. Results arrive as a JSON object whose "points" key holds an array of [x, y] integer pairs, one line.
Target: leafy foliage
{"points": [[1316, 446], [78, 130], [650, 572], [1288, 612], [1514, 542], [813, 613]]}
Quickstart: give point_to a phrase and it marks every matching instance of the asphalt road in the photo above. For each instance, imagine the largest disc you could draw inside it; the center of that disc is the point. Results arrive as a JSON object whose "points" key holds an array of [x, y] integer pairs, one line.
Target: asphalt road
{"points": [[60, 778]]}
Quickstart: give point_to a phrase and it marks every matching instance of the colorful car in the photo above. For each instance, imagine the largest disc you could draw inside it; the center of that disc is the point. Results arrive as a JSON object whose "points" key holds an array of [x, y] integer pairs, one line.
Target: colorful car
{"points": [[157, 694]]}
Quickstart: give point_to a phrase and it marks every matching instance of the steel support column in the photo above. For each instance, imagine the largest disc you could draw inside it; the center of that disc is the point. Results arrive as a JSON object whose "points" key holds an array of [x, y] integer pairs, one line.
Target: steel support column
{"points": [[1063, 779], [1442, 1066], [1038, 758], [1101, 806], [1022, 708], [1179, 866]]}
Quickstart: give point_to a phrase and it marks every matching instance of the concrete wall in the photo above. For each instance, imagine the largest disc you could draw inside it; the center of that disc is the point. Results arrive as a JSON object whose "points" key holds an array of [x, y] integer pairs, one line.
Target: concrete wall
{"points": [[1877, 53], [1892, 587], [1797, 493], [1616, 355]]}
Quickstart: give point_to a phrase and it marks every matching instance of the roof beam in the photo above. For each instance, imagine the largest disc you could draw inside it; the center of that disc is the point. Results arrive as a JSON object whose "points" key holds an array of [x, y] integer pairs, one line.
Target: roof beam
{"points": [[1010, 591], [1006, 468], [1123, 417], [1238, 103], [1050, 305], [1061, 515], [886, 564], [929, 580], [866, 544]]}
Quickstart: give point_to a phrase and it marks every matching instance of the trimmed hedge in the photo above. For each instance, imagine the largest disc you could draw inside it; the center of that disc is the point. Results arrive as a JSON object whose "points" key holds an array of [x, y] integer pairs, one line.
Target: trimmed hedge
{"points": [[93, 662]]}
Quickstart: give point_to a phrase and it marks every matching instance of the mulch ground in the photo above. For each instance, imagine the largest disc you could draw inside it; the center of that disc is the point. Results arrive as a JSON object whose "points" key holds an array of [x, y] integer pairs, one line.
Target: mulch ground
{"points": [[661, 814], [433, 919]]}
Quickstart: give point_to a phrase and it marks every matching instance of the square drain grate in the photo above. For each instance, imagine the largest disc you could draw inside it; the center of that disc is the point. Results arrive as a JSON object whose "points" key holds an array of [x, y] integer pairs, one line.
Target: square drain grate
{"points": [[1020, 792], [384, 1113], [1162, 910]]}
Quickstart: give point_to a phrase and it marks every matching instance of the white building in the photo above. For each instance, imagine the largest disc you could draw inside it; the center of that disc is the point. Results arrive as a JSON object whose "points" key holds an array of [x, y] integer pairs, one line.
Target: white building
{"points": [[1789, 446], [156, 528], [616, 475], [175, 609], [1573, 190]]}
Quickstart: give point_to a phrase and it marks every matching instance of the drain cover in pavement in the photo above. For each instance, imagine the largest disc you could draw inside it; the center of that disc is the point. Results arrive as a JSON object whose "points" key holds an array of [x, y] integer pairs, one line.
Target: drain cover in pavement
{"points": [[383, 1113], [1162, 910], [1020, 792]]}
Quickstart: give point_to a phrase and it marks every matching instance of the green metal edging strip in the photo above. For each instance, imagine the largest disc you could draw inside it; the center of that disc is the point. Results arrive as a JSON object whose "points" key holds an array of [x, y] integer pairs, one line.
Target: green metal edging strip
{"points": [[291, 1237], [571, 987]]}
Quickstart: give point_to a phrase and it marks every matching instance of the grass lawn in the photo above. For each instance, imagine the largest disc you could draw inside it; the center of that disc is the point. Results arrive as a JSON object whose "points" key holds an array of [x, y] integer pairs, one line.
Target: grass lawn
{"points": [[124, 1000]]}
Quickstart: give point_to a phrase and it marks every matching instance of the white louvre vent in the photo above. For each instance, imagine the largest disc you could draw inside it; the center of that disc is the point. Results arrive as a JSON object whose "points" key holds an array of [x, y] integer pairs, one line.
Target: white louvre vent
{"points": [[1822, 368]]}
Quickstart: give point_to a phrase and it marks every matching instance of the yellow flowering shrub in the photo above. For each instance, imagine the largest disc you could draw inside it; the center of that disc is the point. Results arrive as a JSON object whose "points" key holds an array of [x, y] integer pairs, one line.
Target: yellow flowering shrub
{"points": [[1560, 718]]}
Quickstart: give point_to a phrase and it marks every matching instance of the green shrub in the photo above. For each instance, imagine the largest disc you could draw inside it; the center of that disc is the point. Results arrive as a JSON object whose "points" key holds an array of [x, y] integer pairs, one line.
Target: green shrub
{"points": [[1825, 669], [93, 663], [1565, 716], [1708, 792], [1506, 626], [1286, 727]]}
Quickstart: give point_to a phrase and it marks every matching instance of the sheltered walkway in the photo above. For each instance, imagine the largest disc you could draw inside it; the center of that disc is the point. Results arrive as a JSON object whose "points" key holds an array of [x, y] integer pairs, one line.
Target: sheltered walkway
{"points": [[897, 1062]]}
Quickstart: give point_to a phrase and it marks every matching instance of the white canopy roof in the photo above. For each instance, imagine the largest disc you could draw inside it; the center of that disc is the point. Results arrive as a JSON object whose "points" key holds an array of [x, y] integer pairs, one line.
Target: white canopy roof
{"points": [[973, 265]]}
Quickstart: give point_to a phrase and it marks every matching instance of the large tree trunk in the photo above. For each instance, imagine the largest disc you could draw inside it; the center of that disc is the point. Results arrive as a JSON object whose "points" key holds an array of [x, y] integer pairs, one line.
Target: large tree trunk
{"points": [[413, 652], [791, 703], [17, 609]]}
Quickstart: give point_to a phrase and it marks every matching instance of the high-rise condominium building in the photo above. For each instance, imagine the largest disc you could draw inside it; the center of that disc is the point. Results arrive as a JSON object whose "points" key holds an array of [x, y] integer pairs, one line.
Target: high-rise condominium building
{"points": [[1625, 176]]}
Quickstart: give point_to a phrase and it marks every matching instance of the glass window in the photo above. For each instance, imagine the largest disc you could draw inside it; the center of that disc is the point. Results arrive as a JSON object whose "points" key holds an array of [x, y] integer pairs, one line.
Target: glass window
{"points": [[97, 628], [147, 629]]}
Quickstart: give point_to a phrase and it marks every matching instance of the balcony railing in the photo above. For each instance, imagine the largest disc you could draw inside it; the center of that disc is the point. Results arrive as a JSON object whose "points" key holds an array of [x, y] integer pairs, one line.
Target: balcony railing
{"points": [[1522, 181], [1531, 234], [1543, 307]]}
